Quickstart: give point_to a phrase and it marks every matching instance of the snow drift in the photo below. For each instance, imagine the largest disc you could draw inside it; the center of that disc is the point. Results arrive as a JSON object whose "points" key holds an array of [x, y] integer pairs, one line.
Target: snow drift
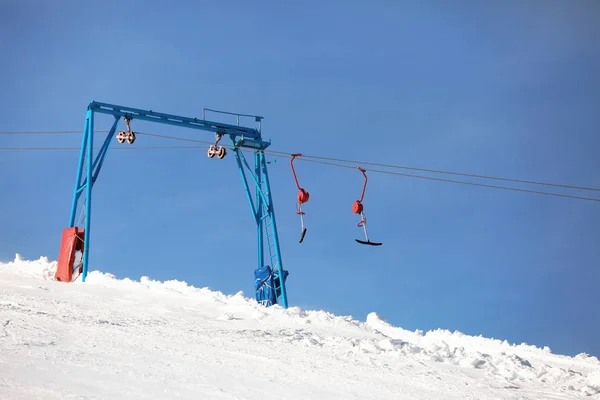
{"points": [[114, 338]]}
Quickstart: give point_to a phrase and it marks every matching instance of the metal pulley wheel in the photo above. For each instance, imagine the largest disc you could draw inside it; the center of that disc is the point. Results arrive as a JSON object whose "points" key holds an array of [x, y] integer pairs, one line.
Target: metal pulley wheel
{"points": [[211, 151], [131, 138]]}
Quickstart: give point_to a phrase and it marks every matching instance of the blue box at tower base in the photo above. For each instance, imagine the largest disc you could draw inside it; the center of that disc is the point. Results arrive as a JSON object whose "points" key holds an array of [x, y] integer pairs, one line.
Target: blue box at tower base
{"points": [[267, 283]]}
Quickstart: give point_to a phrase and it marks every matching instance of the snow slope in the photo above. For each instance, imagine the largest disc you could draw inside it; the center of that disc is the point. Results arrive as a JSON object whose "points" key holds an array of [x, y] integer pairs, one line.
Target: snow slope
{"points": [[123, 339]]}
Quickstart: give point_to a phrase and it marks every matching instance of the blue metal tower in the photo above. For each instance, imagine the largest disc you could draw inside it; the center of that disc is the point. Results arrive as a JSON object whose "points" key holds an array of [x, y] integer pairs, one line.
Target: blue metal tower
{"points": [[269, 278]]}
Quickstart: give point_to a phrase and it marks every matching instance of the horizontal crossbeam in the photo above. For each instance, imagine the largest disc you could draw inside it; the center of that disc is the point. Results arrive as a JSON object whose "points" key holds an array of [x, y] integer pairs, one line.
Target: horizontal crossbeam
{"points": [[248, 137]]}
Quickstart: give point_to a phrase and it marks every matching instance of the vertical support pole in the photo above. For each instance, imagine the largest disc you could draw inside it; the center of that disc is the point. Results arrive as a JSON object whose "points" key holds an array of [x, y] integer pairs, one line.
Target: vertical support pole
{"points": [[264, 208], [88, 196], [259, 211], [263, 167], [76, 192]]}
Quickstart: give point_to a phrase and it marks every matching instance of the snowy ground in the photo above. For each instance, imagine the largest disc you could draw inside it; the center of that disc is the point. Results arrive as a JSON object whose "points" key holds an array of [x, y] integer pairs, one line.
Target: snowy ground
{"points": [[122, 339]]}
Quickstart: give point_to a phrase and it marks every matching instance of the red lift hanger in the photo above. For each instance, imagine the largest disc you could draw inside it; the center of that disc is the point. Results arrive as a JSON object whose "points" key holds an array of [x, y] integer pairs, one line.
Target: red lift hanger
{"points": [[302, 197], [357, 208]]}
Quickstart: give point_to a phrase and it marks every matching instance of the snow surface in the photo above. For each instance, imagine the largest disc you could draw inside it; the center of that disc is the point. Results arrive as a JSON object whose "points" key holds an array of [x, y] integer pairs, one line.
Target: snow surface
{"points": [[114, 338]]}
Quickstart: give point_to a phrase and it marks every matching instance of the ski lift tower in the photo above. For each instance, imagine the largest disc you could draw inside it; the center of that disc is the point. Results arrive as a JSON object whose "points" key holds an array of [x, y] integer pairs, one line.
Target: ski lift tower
{"points": [[269, 278]]}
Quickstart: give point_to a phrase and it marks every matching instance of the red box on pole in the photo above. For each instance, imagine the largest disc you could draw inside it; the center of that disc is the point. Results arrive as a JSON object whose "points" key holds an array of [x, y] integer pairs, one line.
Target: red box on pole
{"points": [[71, 242]]}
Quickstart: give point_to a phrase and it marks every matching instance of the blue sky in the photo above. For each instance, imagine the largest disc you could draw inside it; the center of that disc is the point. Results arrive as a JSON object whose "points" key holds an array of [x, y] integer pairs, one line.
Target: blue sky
{"points": [[507, 89]]}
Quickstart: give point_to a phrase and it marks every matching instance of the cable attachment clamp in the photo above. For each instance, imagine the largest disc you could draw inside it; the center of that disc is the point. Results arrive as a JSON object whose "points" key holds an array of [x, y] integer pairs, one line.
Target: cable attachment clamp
{"points": [[129, 135], [215, 149]]}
